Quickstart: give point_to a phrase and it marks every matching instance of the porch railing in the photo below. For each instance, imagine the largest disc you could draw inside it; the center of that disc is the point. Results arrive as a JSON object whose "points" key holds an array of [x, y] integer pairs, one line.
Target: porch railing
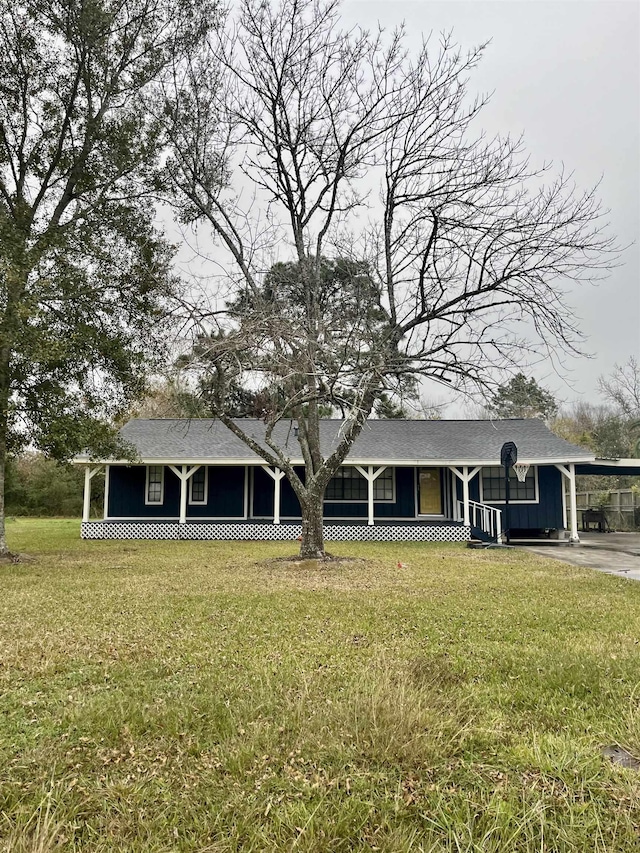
{"points": [[487, 518]]}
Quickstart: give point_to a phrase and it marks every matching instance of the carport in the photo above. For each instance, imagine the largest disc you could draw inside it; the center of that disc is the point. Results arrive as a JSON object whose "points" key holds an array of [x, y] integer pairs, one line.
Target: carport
{"points": [[605, 468]]}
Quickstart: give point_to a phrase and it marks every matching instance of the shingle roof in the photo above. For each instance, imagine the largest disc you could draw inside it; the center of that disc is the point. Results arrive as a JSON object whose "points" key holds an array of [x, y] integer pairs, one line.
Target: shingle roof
{"points": [[388, 441]]}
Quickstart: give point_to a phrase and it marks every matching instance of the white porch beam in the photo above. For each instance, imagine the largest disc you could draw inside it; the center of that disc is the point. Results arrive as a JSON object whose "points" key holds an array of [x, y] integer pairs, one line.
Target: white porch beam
{"points": [[466, 476], [184, 474], [276, 475], [370, 476]]}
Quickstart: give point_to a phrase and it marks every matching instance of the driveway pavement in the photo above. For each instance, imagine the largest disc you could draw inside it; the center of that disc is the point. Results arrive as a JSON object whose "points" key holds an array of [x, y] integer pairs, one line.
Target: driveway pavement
{"points": [[612, 553]]}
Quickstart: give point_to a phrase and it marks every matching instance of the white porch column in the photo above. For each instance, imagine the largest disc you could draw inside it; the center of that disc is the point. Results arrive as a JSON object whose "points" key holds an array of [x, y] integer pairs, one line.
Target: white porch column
{"points": [[89, 474], [276, 475], [370, 476], [183, 495], [465, 495], [564, 503], [184, 474], [87, 494], [454, 495], [276, 495], [105, 509], [466, 476]]}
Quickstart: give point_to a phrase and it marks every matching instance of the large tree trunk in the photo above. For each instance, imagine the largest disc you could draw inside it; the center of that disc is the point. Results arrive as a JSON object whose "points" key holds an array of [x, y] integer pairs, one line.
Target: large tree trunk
{"points": [[7, 325], [4, 406], [312, 545]]}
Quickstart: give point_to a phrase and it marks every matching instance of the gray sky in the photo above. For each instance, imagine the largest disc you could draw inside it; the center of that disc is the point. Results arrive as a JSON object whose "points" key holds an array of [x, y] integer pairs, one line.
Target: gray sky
{"points": [[567, 74]]}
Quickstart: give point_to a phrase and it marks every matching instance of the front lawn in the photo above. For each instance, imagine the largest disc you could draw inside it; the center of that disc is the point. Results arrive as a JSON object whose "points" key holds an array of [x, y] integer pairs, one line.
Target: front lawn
{"points": [[160, 696]]}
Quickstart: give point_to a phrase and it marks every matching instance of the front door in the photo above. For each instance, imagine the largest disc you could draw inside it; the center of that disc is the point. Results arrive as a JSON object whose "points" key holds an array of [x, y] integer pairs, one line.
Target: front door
{"points": [[429, 491]]}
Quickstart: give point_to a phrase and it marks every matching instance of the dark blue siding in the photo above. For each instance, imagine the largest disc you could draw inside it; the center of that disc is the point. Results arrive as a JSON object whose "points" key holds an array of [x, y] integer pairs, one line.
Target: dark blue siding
{"points": [[402, 507], [126, 494], [547, 513], [289, 503], [262, 494], [225, 498]]}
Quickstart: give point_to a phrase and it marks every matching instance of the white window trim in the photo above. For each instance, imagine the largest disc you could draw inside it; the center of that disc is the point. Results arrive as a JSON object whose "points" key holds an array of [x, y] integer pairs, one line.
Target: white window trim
{"points": [[391, 500], [206, 487], [147, 502], [511, 500]]}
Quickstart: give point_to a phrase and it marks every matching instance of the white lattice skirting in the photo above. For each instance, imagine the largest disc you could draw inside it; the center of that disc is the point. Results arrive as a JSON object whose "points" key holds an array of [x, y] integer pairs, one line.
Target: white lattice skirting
{"points": [[238, 531]]}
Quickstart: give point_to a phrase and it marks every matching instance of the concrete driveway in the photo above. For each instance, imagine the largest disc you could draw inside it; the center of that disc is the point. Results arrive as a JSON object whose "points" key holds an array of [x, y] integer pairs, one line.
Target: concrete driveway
{"points": [[612, 553]]}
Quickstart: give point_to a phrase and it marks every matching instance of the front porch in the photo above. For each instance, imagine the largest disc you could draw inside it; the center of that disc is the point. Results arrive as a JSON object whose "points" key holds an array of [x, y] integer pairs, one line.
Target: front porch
{"points": [[362, 503]]}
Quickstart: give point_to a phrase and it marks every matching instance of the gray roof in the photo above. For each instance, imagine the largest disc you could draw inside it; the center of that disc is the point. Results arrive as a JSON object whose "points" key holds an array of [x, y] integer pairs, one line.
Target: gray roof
{"points": [[400, 441]]}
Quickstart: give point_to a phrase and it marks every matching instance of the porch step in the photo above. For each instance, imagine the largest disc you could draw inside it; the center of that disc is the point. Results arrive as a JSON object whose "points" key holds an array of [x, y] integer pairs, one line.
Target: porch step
{"points": [[480, 535]]}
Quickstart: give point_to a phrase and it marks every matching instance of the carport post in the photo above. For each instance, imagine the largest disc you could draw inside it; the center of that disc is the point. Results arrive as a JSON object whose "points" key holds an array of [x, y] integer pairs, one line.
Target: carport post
{"points": [[570, 473], [573, 504]]}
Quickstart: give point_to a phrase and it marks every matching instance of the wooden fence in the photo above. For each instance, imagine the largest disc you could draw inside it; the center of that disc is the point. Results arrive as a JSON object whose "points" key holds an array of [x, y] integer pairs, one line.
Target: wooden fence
{"points": [[622, 507]]}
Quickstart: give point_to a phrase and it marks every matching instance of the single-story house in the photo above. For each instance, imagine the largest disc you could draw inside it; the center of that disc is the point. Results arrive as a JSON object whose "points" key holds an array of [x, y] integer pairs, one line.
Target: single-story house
{"points": [[402, 480]]}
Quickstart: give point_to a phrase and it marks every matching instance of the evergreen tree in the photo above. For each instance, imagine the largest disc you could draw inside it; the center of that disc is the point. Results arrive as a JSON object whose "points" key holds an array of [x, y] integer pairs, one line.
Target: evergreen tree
{"points": [[85, 277], [522, 398]]}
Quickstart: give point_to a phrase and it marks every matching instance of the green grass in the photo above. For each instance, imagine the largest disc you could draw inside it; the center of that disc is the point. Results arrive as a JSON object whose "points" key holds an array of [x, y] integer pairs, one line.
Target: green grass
{"points": [[167, 696]]}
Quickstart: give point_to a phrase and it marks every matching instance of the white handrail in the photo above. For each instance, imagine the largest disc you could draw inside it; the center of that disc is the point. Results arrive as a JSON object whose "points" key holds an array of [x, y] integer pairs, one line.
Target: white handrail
{"points": [[487, 518]]}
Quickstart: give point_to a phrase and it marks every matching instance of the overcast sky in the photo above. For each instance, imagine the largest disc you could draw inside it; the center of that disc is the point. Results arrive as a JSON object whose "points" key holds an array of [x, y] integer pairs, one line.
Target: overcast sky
{"points": [[567, 74]]}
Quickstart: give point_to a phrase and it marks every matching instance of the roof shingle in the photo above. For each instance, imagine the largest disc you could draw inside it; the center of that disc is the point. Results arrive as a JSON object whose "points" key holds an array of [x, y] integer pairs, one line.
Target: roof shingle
{"points": [[400, 441]]}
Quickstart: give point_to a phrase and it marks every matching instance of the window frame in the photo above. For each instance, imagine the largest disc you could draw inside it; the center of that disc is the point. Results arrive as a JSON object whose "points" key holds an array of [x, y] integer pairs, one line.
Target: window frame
{"points": [[512, 500], [147, 483], [205, 500], [365, 499]]}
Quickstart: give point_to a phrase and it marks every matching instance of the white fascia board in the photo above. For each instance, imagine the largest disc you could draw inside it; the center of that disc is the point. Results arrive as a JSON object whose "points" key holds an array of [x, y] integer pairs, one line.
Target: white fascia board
{"points": [[472, 463], [616, 463], [397, 463]]}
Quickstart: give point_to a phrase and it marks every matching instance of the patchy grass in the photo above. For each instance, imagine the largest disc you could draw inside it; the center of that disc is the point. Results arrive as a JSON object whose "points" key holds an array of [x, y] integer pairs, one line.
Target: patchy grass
{"points": [[208, 697]]}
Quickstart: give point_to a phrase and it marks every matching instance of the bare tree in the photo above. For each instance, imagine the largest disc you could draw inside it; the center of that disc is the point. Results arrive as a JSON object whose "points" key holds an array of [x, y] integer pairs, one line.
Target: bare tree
{"points": [[295, 140], [622, 387]]}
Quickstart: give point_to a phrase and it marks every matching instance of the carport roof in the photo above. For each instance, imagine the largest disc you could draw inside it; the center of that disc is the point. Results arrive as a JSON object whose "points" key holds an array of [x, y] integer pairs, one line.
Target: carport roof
{"points": [[611, 467]]}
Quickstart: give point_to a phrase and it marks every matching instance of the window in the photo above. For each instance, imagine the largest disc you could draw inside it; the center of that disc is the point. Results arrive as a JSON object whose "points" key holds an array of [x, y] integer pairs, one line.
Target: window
{"points": [[348, 484], [383, 486], [198, 487], [154, 492], [493, 486]]}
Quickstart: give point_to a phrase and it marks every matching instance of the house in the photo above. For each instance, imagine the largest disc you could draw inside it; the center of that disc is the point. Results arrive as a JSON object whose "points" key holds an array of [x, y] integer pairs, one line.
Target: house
{"points": [[403, 480]]}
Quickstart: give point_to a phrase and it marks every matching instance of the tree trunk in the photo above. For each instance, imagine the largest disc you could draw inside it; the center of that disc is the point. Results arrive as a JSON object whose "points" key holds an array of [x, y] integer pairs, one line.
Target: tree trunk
{"points": [[4, 405], [5, 385], [312, 545]]}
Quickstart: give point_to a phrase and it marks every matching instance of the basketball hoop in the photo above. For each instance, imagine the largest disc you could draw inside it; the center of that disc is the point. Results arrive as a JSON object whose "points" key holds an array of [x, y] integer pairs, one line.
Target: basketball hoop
{"points": [[521, 471]]}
